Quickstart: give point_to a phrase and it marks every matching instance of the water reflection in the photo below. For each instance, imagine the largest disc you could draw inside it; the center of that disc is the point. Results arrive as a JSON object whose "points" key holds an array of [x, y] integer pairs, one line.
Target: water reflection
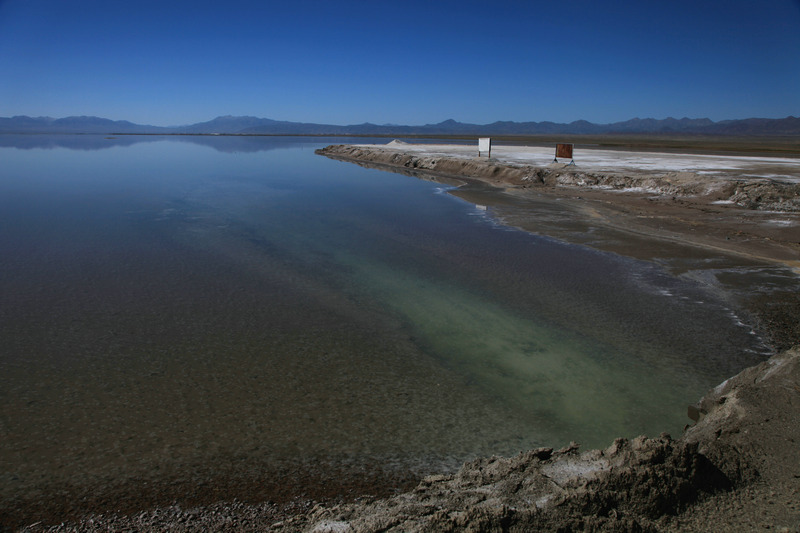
{"points": [[222, 143]]}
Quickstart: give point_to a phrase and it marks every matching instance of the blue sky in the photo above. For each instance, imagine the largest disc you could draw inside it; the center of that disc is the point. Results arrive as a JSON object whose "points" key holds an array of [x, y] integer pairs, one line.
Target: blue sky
{"points": [[404, 62]]}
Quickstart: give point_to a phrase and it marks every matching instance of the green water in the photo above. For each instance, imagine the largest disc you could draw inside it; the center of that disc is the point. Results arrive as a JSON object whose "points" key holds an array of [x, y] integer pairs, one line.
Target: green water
{"points": [[560, 383]]}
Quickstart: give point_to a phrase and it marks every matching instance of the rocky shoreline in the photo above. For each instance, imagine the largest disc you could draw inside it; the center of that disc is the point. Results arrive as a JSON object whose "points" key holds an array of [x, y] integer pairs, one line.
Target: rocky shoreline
{"points": [[735, 466]]}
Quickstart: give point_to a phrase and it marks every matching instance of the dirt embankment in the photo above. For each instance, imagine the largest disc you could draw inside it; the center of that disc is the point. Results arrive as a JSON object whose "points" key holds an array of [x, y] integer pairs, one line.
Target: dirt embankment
{"points": [[747, 193]]}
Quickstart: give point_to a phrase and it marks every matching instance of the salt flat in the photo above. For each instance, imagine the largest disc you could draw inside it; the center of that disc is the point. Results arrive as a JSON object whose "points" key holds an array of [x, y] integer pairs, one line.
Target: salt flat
{"points": [[781, 169]]}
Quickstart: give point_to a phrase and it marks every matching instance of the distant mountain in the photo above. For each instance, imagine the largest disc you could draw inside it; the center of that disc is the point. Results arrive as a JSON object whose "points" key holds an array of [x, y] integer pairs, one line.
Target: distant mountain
{"points": [[666, 125], [757, 126], [228, 124], [23, 124], [245, 125]]}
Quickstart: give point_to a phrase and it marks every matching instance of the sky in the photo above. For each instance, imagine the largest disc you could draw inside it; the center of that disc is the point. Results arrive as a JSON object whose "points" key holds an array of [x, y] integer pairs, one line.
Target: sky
{"points": [[411, 62]]}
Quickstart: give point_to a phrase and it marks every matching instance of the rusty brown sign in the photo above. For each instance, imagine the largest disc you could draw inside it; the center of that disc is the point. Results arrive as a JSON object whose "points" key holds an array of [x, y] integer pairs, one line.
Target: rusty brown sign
{"points": [[564, 150]]}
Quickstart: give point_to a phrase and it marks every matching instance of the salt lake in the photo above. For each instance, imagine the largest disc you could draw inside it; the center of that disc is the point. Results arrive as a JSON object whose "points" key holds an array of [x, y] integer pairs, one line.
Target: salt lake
{"points": [[179, 310]]}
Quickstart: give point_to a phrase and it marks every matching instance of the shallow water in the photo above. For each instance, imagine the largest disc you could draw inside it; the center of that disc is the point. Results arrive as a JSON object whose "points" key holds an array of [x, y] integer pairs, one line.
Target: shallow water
{"points": [[175, 302]]}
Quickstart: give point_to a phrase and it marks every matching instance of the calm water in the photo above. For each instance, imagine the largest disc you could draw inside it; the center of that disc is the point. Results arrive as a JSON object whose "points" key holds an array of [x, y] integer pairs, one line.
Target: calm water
{"points": [[171, 305]]}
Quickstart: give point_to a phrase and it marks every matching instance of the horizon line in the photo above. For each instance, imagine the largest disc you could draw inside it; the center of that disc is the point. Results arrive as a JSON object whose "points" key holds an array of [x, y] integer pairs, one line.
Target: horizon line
{"points": [[390, 124]]}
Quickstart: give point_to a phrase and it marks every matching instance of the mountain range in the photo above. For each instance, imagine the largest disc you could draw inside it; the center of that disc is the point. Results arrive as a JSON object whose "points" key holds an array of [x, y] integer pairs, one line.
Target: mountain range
{"points": [[245, 125]]}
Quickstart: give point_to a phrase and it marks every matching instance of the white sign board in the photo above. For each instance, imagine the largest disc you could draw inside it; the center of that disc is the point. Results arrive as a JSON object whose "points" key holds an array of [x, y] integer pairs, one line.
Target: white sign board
{"points": [[485, 146]]}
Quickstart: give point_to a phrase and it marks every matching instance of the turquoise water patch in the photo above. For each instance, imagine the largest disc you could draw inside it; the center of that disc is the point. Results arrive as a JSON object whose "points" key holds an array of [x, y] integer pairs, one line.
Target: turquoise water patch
{"points": [[567, 387]]}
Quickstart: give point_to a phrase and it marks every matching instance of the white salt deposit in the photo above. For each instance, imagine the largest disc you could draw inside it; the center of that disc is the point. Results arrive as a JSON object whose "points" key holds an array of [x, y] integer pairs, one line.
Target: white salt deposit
{"points": [[562, 472], [596, 160]]}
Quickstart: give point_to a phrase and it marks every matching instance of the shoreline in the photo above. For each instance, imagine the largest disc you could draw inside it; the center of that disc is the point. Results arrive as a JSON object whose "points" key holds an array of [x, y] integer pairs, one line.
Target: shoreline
{"points": [[733, 469], [733, 213], [674, 216]]}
